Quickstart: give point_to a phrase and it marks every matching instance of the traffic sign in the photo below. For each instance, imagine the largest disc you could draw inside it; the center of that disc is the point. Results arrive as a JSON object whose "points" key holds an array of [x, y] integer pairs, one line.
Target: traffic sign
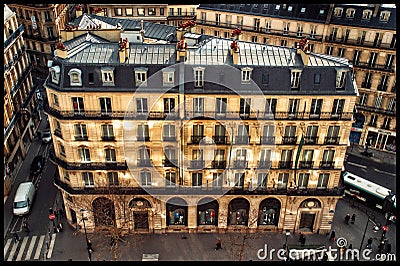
{"points": [[52, 217]]}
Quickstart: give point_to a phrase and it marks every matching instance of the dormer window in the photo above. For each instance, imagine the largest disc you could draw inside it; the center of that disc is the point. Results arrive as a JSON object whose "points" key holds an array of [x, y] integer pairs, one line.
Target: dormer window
{"points": [[367, 14], [277, 7], [107, 74], [340, 79], [55, 74], [168, 76], [302, 10], [384, 16], [246, 74], [338, 12], [75, 77], [198, 76], [295, 79], [141, 76], [350, 13]]}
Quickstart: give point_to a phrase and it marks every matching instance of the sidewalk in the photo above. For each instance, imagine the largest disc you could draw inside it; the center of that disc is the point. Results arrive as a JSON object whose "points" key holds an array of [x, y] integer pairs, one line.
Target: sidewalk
{"points": [[378, 155]]}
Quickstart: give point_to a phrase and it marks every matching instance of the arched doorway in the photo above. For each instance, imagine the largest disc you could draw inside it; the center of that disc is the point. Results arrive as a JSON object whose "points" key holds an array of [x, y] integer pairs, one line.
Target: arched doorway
{"points": [[176, 211], [104, 212], [308, 214], [238, 212], [268, 213], [207, 212], [140, 212]]}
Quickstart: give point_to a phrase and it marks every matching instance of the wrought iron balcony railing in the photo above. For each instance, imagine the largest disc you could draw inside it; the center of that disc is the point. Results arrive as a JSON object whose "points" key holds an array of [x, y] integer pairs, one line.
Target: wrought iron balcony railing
{"points": [[88, 165], [310, 140], [264, 164], [196, 139], [306, 164], [285, 164], [107, 138], [332, 140], [197, 164], [267, 140], [81, 138], [144, 162], [218, 164], [289, 139], [170, 163], [240, 164], [242, 139], [327, 164], [220, 139]]}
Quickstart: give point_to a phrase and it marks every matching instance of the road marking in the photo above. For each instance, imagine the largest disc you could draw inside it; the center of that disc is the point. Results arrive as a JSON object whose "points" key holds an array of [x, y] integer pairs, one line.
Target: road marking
{"points": [[22, 248], [384, 172], [30, 249], [39, 247], [50, 251], [13, 249], [7, 246], [355, 164]]}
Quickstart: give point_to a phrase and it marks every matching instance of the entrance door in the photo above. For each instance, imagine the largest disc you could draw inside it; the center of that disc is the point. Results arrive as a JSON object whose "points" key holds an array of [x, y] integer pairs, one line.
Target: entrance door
{"points": [[141, 219], [307, 221]]}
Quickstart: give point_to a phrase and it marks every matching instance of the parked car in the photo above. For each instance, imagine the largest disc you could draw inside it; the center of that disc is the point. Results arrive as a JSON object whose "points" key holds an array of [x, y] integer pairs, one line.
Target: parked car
{"points": [[46, 136], [37, 165]]}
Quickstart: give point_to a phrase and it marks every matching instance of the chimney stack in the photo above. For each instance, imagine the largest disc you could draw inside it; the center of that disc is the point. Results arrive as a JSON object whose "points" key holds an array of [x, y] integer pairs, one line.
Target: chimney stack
{"points": [[303, 50], [376, 8], [121, 49]]}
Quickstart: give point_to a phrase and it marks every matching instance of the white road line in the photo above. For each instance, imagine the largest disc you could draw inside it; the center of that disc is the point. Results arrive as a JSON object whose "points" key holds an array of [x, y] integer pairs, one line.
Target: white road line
{"points": [[39, 247], [355, 164], [13, 249], [22, 248], [53, 239], [30, 249], [384, 172], [7, 246]]}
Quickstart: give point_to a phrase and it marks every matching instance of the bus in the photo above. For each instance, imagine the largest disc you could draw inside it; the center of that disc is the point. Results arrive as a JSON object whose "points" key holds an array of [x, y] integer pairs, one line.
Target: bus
{"points": [[370, 193]]}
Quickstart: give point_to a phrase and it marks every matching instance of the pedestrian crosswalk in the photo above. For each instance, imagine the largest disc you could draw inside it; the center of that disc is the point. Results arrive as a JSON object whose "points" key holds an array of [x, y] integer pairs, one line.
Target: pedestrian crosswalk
{"points": [[28, 246]]}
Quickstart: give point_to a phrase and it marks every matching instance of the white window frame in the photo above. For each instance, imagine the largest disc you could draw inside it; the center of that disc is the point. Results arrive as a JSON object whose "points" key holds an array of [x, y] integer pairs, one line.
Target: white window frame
{"points": [[198, 105], [145, 178], [246, 74], [87, 179], [338, 12], [141, 76], [323, 180], [198, 73], [112, 178], [168, 76], [55, 74], [367, 14], [303, 180], [140, 104], [111, 153], [283, 180], [107, 130], [295, 78], [299, 30], [350, 12], [363, 99], [384, 16], [84, 154], [340, 79], [107, 75], [169, 131], [75, 77]]}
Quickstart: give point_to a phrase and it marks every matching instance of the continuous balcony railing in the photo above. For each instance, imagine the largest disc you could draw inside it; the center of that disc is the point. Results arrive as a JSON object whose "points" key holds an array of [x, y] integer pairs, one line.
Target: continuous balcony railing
{"points": [[376, 110], [240, 164], [220, 139], [218, 164], [242, 139], [310, 140], [285, 164], [172, 138], [108, 138], [13, 36], [182, 14], [360, 42], [88, 165], [379, 67], [264, 164], [143, 138], [332, 140], [327, 164], [382, 87], [21, 79], [267, 140], [289, 139], [306, 164]]}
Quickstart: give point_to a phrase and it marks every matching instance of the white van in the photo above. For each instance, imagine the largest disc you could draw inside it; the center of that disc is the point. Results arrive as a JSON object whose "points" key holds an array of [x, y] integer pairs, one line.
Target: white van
{"points": [[23, 198]]}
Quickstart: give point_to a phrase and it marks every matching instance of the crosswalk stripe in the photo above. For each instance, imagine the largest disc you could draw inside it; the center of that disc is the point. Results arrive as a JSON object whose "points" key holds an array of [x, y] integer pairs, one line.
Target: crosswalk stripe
{"points": [[13, 249], [30, 249], [39, 247], [7, 246], [22, 248], [50, 251]]}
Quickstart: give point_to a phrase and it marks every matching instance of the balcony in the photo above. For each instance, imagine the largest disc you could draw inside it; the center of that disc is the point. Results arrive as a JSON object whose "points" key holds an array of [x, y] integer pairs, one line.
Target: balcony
{"points": [[264, 164], [240, 164], [242, 139], [378, 67], [376, 110], [327, 165], [21, 79], [13, 36], [81, 138], [181, 14], [315, 115], [310, 140], [289, 139], [332, 140], [197, 164], [196, 139], [220, 139], [108, 138], [285, 164], [218, 164], [359, 42], [382, 87], [170, 163], [306, 164], [144, 162], [267, 140]]}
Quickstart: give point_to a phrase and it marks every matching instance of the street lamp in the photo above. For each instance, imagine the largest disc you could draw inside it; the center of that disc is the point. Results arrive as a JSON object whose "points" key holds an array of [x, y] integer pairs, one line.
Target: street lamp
{"points": [[84, 228], [376, 228], [286, 246]]}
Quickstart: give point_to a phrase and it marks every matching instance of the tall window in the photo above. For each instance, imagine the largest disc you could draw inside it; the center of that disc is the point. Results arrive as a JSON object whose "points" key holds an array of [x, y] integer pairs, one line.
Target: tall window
{"points": [[169, 132], [77, 105], [308, 155], [198, 106], [313, 31], [217, 19], [378, 102], [245, 106], [311, 134], [143, 132], [303, 180], [328, 156], [246, 74], [363, 99], [239, 180], [170, 179], [141, 76], [299, 30], [283, 180], [84, 154], [356, 57], [113, 178], [295, 79], [169, 105], [337, 107], [141, 105], [323, 181], [293, 106], [55, 100], [87, 178], [316, 106], [270, 106], [145, 178], [198, 130], [80, 132], [199, 76], [262, 180], [391, 105], [220, 107], [107, 130], [217, 180], [256, 24], [372, 59], [197, 179], [367, 80], [333, 134], [286, 156], [144, 154], [340, 79], [110, 155], [290, 131], [105, 105]]}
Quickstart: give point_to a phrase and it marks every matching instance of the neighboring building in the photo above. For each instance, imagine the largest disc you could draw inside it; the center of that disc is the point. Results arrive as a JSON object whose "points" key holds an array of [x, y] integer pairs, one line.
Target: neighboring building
{"points": [[363, 33], [21, 116], [172, 15], [208, 145], [42, 23]]}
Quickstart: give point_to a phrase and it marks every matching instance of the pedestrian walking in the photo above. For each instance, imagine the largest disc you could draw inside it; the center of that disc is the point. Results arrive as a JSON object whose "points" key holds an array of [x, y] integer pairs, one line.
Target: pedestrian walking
{"points": [[60, 212], [369, 243], [59, 227], [16, 237], [26, 227], [303, 240], [218, 245], [347, 218], [353, 218], [333, 235], [89, 245]]}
